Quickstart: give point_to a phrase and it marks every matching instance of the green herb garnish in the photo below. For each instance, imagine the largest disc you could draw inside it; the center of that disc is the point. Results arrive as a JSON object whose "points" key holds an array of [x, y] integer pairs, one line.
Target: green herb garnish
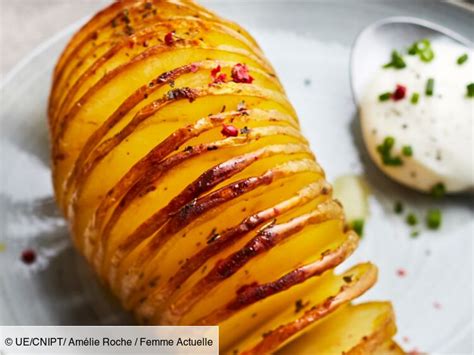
{"points": [[407, 150], [438, 190], [358, 226], [398, 208], [384, 150], [429, 87], [396, 62], [385, 96], [414, 98], [423, 50], [433, 219], [411, 219], [414, 234], [470, 90], [462, 59]]}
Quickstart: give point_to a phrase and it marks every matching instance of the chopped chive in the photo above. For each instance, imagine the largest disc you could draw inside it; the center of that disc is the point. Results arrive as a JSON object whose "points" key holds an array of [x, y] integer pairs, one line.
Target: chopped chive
{"points": [[429, 87], [396, 62], [427, 55], [462, 59], [414, 98], [414, 234], [358, 226], [470, 90], [398, 208], [423, 49], [438, 190], [411, 219], [388, 142], [385, 96], [384, 150], [393, 161], [407, 150], [433, 219]]}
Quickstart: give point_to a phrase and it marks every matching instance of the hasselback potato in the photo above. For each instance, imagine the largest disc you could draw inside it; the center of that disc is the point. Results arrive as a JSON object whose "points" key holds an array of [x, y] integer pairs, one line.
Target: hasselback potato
{"points": [[180, 166]]}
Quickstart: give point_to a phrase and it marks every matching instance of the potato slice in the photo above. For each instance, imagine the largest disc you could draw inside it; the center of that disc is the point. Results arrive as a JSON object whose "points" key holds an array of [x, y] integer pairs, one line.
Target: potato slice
{"points": [[358, 329], [321, 298]]}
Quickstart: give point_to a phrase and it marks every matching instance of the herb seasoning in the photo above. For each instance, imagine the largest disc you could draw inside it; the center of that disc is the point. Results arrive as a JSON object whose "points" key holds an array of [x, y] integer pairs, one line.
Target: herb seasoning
{"points": [[433, 219], [396, 62], [462, 59], [429, 87]]}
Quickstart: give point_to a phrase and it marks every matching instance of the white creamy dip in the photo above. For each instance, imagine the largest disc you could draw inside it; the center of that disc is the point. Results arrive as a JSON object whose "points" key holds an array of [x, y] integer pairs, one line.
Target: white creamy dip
{"points": [[438, 129]]}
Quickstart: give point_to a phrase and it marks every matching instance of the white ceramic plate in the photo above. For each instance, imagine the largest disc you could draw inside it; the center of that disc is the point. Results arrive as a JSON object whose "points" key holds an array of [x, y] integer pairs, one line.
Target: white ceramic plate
{"points": [[309, 44]]}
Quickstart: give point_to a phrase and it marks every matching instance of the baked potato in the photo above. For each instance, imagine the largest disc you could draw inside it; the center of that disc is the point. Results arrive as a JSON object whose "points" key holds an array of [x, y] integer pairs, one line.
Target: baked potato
{"points": [[179, 163]]}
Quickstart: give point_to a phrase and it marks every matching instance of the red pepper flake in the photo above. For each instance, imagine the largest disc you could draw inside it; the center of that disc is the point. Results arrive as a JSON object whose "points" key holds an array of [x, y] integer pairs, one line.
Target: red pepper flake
{"points": [[169, 38], [221, 78], [406, 339], [437, 305], [28, 256], [240, 74], [401, 272], [414, 351], [194, 68], [215, 71], [399, 92], [229, 131], [217, 76]]}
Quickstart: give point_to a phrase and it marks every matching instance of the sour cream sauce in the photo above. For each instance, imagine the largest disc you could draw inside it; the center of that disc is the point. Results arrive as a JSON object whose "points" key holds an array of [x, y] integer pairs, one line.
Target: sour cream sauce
{"points": [[438, 129]]}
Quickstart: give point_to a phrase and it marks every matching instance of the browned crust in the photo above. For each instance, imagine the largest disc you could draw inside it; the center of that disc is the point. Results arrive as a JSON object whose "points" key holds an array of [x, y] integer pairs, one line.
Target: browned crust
{"points": [[370, 343], [273, 340], [63, 120], [83, 164], [131, 41], [195, 209], [254, 293], [264, 241], [80, 169], [205, 182], [172, 96], [231, 235], [105, 17], [150, 168]]}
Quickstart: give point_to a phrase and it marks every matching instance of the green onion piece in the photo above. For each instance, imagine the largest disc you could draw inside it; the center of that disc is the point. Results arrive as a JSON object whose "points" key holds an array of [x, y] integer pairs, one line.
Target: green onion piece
{"points": [[414, 98], [384, 151], [358, 226], [423, 49], [396, 62], [407, 150], [462, 59], [393, 161], [388, 142], [438, 190], [470, 90], [385, 96], [414, 234], [411, 219], [429, 87], [398, 208], [433, 219], [413, 49], [427, 55]]}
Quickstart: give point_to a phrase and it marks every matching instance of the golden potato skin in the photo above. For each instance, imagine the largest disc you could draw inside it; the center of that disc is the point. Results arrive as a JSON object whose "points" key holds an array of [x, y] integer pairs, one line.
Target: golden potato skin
{"points": [[179, 164]]}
